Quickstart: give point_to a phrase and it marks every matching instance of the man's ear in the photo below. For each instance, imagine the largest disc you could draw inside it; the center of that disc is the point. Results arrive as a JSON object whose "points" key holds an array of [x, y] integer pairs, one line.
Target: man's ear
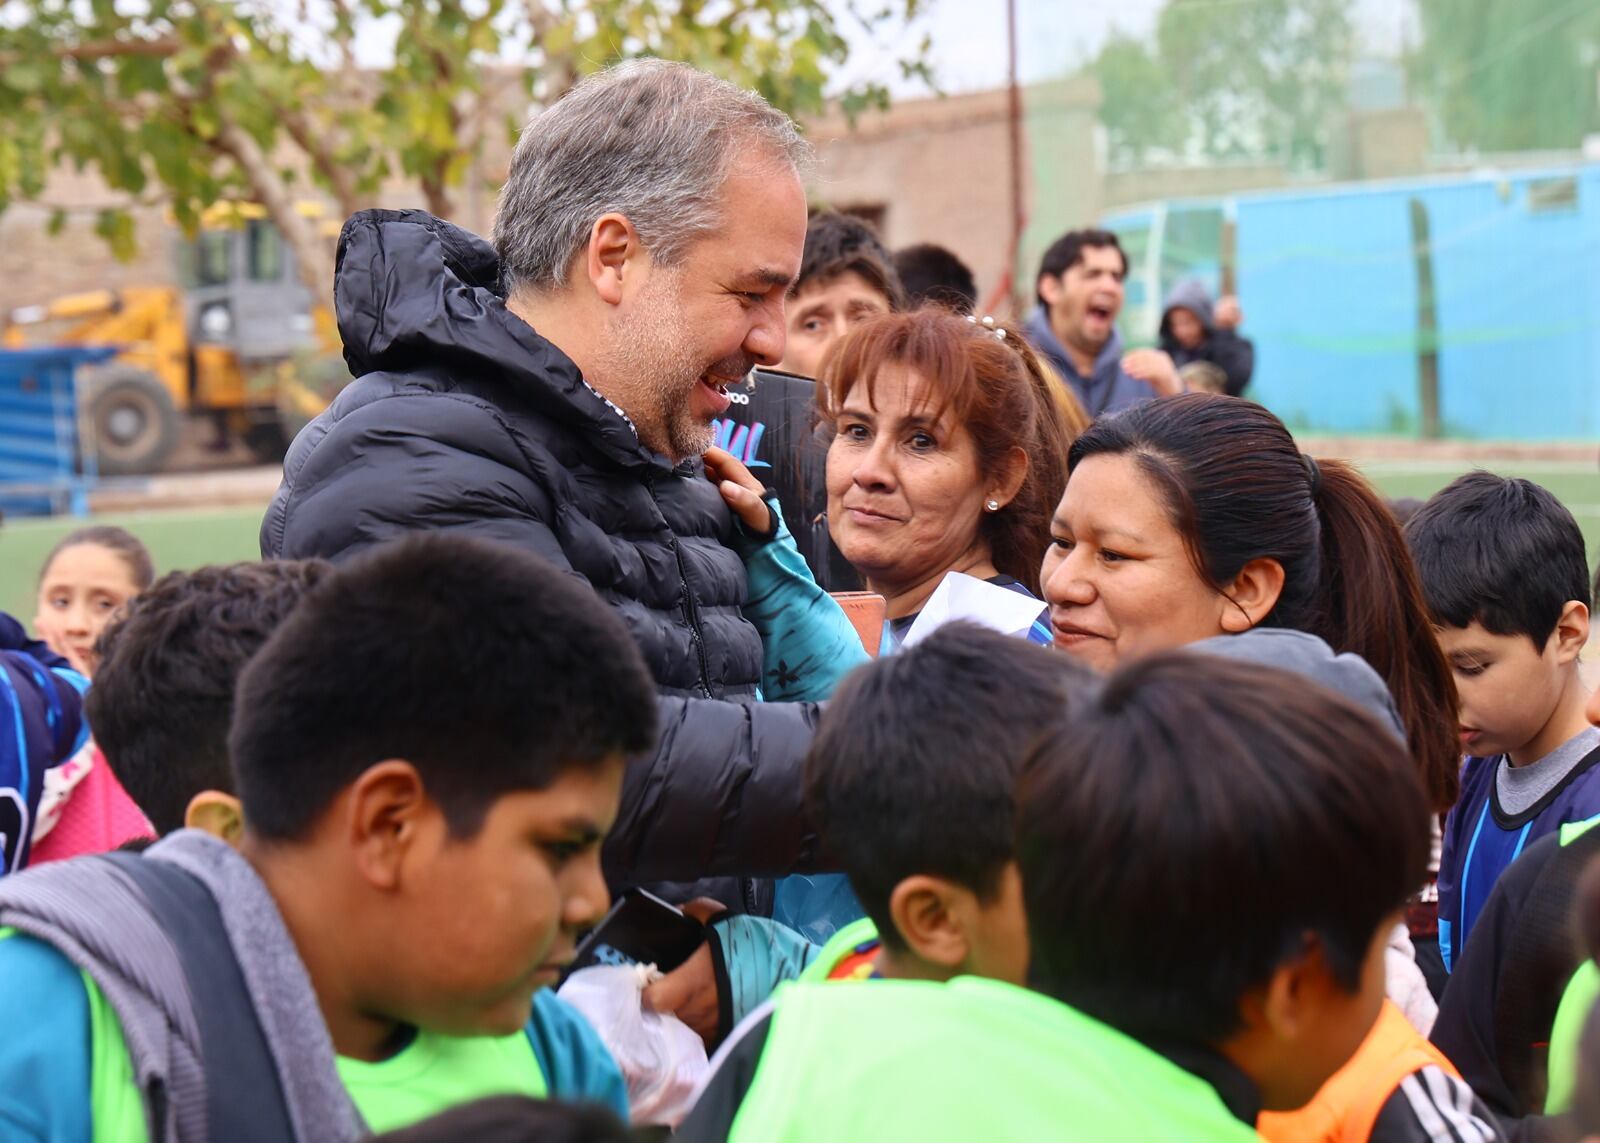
{"points": [[386, 812], [1049, 288], [1572, 630], [218, 814], [1008, 480], [1252, 595], [933, 918], [613, 248]]}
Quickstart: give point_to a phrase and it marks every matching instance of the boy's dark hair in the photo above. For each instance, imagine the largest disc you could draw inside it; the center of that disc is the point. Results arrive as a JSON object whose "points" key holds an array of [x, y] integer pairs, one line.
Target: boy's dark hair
{"points": [[515, 1119], [841, 243], [162, 699], [932, 273], [914, 767], [1502, 551], [1067, 251], [1193, 826], [128, 547], [482, 665]]}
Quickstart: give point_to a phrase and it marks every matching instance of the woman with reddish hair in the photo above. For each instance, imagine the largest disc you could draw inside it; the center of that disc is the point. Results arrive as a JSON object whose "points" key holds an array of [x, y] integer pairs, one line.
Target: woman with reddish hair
{"points": [[949, 451]]}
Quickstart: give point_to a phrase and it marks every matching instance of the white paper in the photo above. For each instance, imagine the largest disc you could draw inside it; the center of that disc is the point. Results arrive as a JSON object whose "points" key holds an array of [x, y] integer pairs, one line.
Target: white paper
{"points": [[961, 596]]}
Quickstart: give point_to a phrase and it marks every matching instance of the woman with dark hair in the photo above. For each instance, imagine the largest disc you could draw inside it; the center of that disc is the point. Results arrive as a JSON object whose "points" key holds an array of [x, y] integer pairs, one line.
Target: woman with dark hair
{"points": [[1198, 516]]}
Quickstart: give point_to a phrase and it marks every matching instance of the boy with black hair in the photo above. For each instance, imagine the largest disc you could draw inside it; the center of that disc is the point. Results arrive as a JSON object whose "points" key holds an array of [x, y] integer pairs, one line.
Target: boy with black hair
{"points": [[915, 750], [846, 276], [1503, 570], [912, 750], [429, 751], [1268, 828], [163, 695]]}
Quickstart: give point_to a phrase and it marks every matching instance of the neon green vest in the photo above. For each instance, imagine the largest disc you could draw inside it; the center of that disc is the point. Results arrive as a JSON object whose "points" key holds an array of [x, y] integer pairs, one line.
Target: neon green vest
{"points": [[1561, 1066], [970, 1060], [432, 1074]]}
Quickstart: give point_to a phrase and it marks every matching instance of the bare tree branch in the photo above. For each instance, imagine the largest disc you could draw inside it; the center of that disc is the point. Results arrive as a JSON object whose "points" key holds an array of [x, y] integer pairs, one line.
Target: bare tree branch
{"points": [[277, 199], [102, 49]]}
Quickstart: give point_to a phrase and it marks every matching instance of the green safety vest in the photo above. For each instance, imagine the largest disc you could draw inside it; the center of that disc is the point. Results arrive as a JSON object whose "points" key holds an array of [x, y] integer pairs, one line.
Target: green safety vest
{"points": [[969, 1060], [1581, 993]]}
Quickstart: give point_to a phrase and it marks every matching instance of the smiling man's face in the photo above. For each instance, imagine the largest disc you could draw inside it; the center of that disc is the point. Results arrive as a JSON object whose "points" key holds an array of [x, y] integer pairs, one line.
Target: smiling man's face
{"points": [[1084, 301], [699, 326]]}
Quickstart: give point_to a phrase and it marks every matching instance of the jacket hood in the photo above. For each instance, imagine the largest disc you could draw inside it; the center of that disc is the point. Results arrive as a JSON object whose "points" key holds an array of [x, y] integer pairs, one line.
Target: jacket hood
{"points": [[1044, 339], [415, 293], [1305, 654], [1190, 294]]}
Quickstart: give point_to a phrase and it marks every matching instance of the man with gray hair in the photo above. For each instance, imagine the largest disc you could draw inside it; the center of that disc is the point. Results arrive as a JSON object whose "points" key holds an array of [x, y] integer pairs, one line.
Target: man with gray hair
{"points": [[556, 390]]}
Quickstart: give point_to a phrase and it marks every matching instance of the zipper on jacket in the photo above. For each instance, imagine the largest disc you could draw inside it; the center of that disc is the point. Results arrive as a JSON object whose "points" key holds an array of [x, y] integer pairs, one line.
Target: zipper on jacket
{"points": [[691, 610]]}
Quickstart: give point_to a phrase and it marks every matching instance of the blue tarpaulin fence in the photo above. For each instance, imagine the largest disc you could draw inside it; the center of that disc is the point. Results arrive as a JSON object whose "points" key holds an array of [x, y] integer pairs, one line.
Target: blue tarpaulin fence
{"points": [[1331, 286], [42, 468]]}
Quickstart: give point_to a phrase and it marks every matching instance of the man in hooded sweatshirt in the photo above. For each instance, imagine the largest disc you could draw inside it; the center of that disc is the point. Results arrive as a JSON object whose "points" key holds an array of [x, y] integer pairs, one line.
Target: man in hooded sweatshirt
{"points": [[1192, 330], [556, 391], [1080, 292]]}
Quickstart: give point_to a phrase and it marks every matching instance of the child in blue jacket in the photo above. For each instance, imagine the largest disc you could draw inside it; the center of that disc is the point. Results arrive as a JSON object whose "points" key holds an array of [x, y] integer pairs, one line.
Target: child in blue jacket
{"points": [[41, 725], [1503, 569]]}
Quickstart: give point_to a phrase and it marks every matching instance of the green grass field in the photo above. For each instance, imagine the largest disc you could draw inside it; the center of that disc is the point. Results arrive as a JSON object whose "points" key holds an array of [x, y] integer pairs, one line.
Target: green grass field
{"points": [[1577, 484], [177, 539], [189, 538]]}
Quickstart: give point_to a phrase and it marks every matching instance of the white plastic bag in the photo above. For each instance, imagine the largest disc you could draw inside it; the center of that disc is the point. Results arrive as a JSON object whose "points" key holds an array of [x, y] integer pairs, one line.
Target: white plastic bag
{"points": [[662, 1059]]}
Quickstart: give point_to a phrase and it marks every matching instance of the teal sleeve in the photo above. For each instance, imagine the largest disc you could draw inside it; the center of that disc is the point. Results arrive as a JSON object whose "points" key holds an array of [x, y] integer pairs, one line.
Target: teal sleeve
{"points": [[808, 643], [44, 1045], [751, 956], [577, 1066]]}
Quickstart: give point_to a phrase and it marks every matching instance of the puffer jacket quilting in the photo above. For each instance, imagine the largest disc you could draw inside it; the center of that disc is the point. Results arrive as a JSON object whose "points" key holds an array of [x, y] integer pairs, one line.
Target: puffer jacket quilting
{"points": [[462, 417]]}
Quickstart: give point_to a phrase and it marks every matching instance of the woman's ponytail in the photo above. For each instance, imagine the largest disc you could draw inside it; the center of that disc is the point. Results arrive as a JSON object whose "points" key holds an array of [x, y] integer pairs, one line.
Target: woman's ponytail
{"points": [[1373, 607]]}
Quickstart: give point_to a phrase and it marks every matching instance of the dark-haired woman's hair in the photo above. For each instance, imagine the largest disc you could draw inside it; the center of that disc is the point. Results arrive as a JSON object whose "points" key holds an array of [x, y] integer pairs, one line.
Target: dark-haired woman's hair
{"points": [[125, 544], [995, 387], [1238, 489]]}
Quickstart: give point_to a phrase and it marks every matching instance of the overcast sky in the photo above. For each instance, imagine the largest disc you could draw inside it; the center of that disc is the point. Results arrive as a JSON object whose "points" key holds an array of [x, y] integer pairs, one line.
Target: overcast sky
{"points": [[969, 37], [1057, 36]]}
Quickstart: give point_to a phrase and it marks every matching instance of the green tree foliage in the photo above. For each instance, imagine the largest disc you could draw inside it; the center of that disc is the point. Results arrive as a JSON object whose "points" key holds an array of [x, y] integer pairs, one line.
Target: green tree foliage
{"points": [[1506, 75], [189, 103], [1246, 78], [1138, 105]]}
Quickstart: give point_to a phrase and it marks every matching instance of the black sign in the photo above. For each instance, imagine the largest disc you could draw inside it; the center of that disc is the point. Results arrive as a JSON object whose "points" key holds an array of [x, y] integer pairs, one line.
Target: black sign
{"points": [[775, 430]]}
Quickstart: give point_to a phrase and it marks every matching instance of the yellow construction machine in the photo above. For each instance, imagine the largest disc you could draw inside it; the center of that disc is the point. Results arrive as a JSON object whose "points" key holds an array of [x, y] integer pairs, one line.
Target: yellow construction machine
{"points": [[242, 342]]}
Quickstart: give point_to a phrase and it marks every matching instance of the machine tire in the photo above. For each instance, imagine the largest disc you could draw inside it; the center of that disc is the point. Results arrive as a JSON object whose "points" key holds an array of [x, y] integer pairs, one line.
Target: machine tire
{"points": [[133, 421]]}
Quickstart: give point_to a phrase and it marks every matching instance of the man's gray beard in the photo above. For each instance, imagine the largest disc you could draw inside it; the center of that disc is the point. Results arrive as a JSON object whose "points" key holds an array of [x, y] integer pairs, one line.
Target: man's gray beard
{"points": [[651, 363]]}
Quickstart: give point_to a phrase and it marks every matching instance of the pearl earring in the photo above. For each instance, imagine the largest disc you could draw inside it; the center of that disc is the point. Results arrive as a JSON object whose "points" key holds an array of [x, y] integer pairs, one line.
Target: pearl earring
{"points": [[992, 505]]}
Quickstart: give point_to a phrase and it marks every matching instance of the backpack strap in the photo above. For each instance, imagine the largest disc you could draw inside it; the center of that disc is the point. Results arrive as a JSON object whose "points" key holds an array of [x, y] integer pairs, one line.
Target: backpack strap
{"points": [[244, 1098]]}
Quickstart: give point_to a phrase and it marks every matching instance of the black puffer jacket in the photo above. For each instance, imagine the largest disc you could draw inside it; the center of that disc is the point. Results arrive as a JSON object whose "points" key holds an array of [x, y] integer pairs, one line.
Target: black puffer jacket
{"points": [[462, 417]]}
